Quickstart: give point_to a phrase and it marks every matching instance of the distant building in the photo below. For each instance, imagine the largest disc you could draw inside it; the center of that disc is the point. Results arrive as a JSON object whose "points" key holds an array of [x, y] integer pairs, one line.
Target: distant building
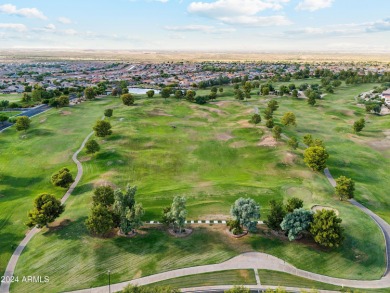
{"points": [[386, 95]]}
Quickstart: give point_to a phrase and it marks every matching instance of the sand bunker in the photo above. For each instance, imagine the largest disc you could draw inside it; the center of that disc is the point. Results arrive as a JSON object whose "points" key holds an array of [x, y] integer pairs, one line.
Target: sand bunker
{"points": [[268, 141], [316, 208]]}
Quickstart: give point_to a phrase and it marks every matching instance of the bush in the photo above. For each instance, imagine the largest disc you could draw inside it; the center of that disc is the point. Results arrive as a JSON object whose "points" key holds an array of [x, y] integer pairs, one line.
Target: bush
{"points": [[63, 178], [326, 229], [127, 99], [234, 227], [108, 112], [345, 188], [92, 147]]}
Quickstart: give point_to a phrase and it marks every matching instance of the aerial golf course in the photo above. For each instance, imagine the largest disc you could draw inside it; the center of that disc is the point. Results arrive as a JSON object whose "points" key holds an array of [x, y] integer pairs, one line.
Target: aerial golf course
{"points": [[211, 155]]}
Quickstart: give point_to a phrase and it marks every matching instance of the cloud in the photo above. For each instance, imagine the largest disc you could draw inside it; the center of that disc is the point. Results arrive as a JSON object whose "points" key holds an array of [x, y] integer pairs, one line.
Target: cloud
{"points": [[64, 20], [313, 5], [24, 12], [344, 29], [199, 28], [241, 12], [50, 27], [13, 26]]}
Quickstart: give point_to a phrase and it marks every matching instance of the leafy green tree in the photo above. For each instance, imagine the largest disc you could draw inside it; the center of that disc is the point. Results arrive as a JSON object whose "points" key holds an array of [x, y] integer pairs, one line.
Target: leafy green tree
{"points": [[276, 132], [166, 92], [201, 100], [178, 94], [276, 215], [293, 143], [108, 112], [36, 94], [315, 157], [150, 93], [296, 222], [273, 105], [221, 90], [265, 90], [256, 119], [127, 209], [247, 89], [102, 128], [293, 204], [127, 99], [3, 118], [190, 95], [311, 99], [114, 92], [214, 89], [22, 123], [124, 90], [289, 119], [359, 125], [149, 289], [100, 220], [89, 93], [92, 147], [46, 209], [239, 94], [345, 188], [270, 123], [308, 140], [234, 226], [294, 93], [63, 101], [247, 212], [238, 289], [167, 218], [213, 95], [326, 229], [62, 178], [178, 212], [268, 113], [103, 195]]}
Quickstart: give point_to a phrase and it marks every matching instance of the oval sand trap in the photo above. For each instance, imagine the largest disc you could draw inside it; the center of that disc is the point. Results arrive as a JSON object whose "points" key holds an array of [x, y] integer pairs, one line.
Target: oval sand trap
{"points": [[319, 208]]}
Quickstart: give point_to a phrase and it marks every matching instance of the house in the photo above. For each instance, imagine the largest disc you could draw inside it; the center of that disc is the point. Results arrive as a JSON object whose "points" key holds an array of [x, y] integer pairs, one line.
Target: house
{"points": [[386, 96]]}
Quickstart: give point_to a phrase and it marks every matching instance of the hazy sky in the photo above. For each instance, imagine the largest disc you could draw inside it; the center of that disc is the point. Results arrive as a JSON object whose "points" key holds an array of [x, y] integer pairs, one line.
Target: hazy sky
{"points": [[207, 25]]}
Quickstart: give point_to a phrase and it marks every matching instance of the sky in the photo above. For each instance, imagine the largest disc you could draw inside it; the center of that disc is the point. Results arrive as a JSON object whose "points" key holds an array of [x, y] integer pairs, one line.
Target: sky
{"points": [[361, 26]]}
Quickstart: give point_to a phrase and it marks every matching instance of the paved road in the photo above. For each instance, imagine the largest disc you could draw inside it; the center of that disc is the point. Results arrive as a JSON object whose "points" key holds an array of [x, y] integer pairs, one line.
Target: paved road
{"points": [[250, 260], [9, 271], [31, 112]]}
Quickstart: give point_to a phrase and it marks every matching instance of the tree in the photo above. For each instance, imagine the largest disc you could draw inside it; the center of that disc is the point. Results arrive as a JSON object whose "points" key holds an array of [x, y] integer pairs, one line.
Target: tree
{"points": [[178, 213], [46, 209], [247, 212], [89, 93], [127, 209], [166, 92], [103, 195], [276, 132], [62, 178], [256, 119], [127, 99], [214, 89], [289, 119], [167, 218], [359, 125], [100, 220], [3, 118], [311, 99], [345, 188], [273, 105], [108, 112], [178, 94], [270, 123], [102, 128], [201, 100], [308, 140], [239, 94], [326, 229], [296, 222], [265, 90], [63, 101], [293, 143], [315, 157], [268, 113], [294, 93], [150, 93], [92, 146], [293, 204], [114, 92], [22, 123], [190, 95], [276, 215], [221, 90], [36, 94], [247, 89]]}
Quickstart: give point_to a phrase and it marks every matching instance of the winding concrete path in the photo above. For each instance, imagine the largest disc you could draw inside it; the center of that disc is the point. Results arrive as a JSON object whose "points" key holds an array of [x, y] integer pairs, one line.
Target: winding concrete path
{"points": [[10, 269]]}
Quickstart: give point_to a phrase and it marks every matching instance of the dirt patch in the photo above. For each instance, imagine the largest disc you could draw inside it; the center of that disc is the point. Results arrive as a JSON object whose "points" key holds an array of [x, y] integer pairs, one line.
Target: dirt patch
{"points": [[58, 225], [245, 124], [316, 208], [65, 113], [104, 180], [218, 111], [85, 159], [239, 144], [268, 141], [383, 144], [223, 104], [238, 235], [159, 112], [289, 158], [224, 136]]}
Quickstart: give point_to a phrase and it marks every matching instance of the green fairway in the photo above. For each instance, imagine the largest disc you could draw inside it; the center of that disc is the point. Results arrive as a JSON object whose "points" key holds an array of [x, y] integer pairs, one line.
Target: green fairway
{"points": [[211, 155], [10, 113], [233, 277], [12, 98]]}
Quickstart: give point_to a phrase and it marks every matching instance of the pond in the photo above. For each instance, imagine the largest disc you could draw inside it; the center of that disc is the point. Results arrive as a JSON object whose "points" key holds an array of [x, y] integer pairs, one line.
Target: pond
{"points": [[141, 91]]}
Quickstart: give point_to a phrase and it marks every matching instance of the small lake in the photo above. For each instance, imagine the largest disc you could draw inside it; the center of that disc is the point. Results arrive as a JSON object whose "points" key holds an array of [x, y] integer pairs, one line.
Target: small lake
{"points": [[141, 91]]}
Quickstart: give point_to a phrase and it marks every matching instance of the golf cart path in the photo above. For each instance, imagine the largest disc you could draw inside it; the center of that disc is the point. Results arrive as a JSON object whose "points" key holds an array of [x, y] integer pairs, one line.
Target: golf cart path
{"points": [[9, 271]]}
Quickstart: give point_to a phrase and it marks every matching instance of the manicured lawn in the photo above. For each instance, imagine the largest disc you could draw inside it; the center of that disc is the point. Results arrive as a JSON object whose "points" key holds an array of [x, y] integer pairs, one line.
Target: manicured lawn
{"points": [[9, 113], [232, 277], [211, 155], [12, 98]]}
